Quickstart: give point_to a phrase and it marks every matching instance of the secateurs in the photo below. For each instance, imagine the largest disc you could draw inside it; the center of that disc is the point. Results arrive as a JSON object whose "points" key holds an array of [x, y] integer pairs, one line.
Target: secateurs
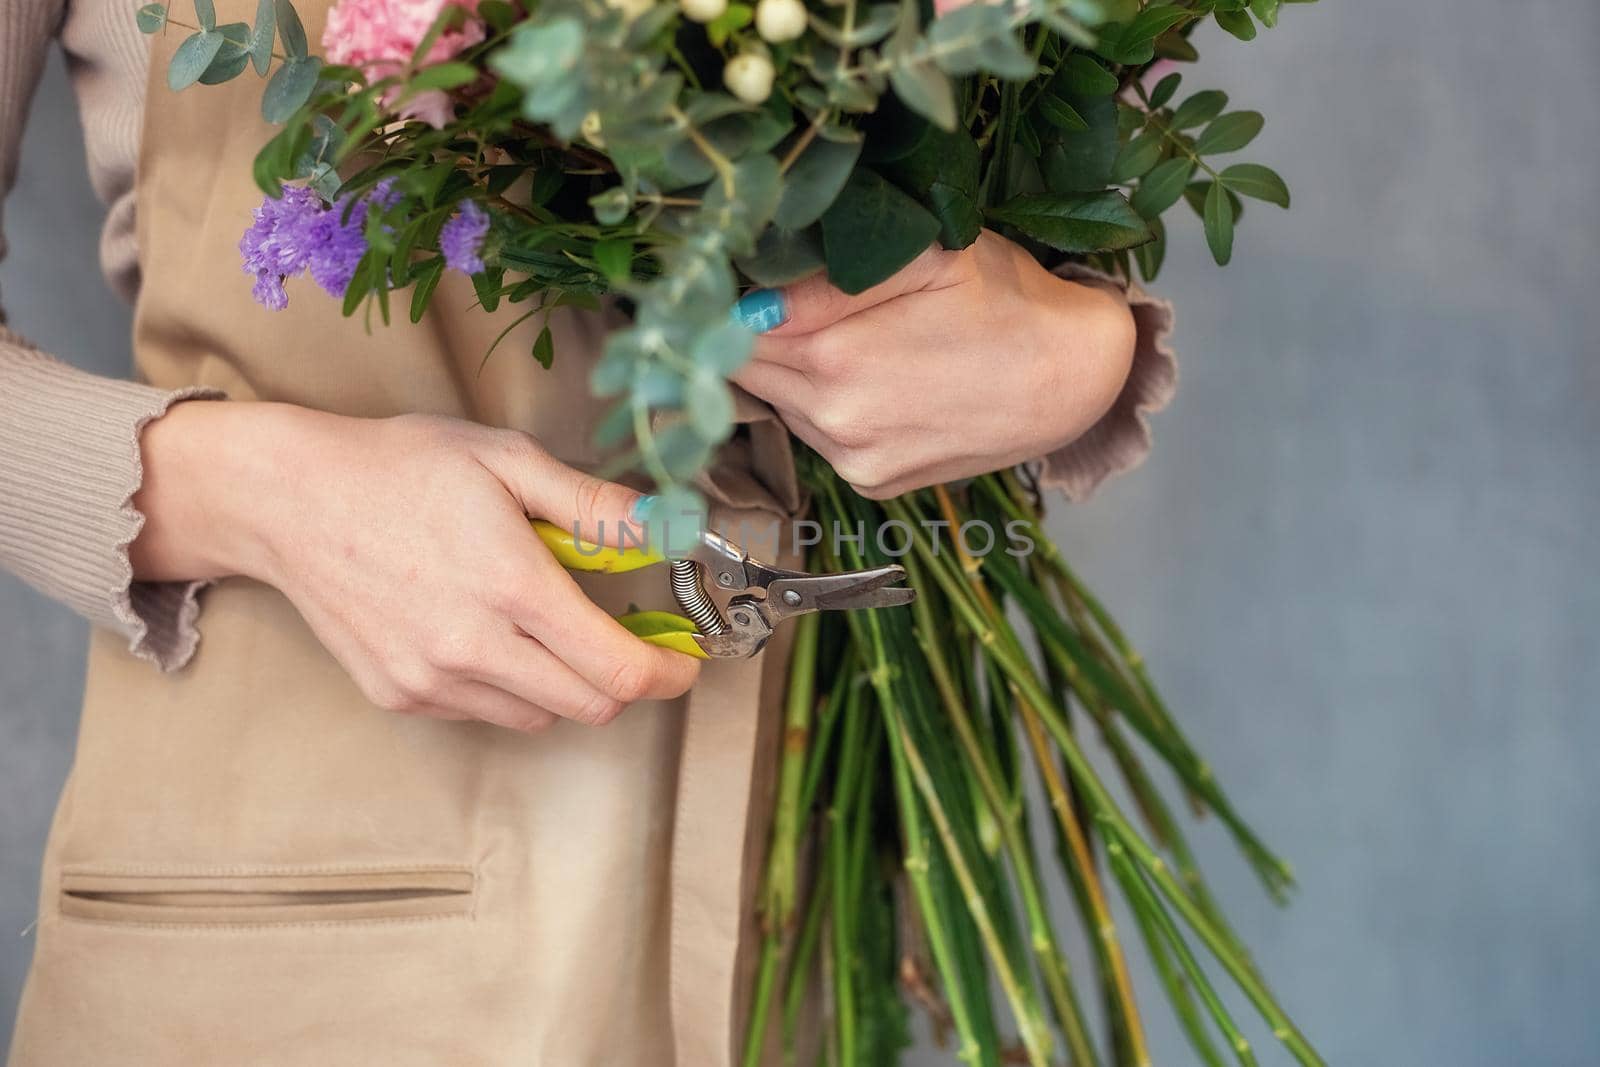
{"points": [[764, 595]]}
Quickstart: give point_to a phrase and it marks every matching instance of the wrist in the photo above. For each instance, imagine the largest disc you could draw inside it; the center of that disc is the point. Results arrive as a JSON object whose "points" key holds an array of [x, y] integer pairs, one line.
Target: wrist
{"points": [[1091, 357], [208, 468]]}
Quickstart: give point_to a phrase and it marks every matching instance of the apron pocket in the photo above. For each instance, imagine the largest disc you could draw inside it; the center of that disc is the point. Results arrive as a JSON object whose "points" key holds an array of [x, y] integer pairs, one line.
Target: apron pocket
{"points": [[267, 899]]}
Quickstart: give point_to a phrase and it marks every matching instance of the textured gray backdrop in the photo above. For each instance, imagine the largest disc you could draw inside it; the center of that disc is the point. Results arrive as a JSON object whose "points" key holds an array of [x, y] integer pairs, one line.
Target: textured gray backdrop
{"points": [[1362, 558]]}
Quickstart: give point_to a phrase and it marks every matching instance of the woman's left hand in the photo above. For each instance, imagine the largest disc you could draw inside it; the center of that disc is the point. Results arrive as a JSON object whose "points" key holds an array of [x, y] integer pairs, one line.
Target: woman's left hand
{"points": [[963, 363]]}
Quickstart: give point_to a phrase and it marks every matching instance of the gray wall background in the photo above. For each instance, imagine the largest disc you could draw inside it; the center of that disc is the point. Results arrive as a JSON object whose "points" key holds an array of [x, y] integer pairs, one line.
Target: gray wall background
{"points": [[1362, 558]]}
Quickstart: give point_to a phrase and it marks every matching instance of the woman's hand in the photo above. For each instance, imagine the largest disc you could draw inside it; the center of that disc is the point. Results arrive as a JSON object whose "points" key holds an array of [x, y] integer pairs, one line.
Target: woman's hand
{"points": [[405, 545], [963, 363]]}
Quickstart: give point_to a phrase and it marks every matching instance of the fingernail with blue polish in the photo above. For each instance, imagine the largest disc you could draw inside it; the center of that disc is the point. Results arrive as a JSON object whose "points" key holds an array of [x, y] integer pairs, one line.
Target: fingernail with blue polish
{"points": [[761, 310], [639, 514]]}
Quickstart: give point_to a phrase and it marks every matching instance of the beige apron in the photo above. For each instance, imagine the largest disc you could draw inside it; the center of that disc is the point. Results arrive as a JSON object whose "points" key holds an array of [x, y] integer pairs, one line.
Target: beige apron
{"points": [[252, 865]]}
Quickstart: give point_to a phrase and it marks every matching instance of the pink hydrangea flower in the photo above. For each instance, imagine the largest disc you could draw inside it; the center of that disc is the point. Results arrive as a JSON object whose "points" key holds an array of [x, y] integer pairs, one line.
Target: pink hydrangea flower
{"points": [[380, 36]]}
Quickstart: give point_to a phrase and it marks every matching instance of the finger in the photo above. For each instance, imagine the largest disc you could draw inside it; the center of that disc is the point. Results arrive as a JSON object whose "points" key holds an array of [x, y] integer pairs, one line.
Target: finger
{"points": [[779, 385], [596, 510], [525, 669], [483, 702], [814, 303], [559, 616]]}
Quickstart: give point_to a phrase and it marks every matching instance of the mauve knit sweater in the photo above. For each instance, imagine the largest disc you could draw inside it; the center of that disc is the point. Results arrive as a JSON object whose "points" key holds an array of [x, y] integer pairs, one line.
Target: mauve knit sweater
{"points": [[69, 441]]}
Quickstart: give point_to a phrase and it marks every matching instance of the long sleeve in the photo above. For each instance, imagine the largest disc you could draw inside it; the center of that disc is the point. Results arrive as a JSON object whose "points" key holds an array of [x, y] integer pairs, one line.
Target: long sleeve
{"points": [[1121, 439], [69, 441]]}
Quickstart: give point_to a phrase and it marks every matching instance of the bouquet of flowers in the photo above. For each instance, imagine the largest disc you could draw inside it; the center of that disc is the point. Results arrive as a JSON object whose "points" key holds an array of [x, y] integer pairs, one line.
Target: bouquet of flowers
{"points": [[667, 152]]}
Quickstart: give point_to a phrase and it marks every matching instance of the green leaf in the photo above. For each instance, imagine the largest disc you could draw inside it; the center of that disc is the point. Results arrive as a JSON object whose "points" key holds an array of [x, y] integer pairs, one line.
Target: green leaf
{"points": [[1138, 156], [1229, 133], [724, 348], [736, 17], [814, 180], [1199, 109], [926, 90], [1162, 187], [192, 58], [206, 12], [1254, 180], [544, 348], [487, 285], [782, 257], [427, 274], [979, 37], [1266, 11], [1164, 90], [614, 257], [942, 174], [1155, 20], [1085, 76], [1238, 23], [1150, 256], [261, 37], [1219, 224], [1060, 114], [232, 57], [1077, 224], [442, 76], [710, 404], [151, 18], [871, 231], [289, 89], [1081, 162], [290, 30]]}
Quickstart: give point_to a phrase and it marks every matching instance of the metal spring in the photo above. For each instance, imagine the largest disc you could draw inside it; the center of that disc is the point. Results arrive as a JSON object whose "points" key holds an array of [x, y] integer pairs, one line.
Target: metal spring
{"points": [[691, 597]]}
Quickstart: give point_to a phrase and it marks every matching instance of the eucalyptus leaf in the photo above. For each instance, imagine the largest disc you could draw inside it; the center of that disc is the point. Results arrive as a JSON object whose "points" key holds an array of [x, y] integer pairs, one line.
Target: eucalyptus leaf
{"points": [[783, 257], [710, 405], [261, 36], [926, 90], [192, 58], [152, 18], [289, 89], [813, 181], [206, 12], [290, 30]]}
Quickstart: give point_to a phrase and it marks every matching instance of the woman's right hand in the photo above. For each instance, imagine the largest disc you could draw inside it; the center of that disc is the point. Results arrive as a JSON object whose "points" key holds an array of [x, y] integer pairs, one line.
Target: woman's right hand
{"points": [[405, 545]]}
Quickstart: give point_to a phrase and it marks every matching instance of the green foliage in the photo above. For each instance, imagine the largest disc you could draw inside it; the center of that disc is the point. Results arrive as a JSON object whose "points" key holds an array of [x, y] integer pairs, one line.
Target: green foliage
{"points": [[612, 159]]}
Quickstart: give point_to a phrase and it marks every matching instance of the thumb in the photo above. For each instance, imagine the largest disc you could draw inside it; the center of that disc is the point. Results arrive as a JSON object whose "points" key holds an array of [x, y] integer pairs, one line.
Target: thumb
{"points": [[592, 508], [814, 303]]}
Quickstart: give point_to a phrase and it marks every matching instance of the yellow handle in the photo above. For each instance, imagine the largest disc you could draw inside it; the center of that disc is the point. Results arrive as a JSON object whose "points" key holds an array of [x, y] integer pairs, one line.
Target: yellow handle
{"points": [[578, 555], [660, 628], [664, 629]]}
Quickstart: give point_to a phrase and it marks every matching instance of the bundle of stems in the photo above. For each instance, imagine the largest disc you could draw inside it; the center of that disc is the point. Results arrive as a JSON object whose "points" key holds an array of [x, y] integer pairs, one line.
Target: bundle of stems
{"points": [[903, 866]]}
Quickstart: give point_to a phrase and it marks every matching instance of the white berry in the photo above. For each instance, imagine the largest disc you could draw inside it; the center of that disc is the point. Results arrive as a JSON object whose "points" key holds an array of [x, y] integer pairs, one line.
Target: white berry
{"points": [[703, 10], [780, 20], [749, 77]]}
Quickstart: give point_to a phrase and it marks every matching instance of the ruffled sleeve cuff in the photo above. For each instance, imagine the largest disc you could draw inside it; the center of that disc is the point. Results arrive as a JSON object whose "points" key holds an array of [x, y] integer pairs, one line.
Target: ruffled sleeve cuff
{"points": [[69, 469], [1121, 439]]}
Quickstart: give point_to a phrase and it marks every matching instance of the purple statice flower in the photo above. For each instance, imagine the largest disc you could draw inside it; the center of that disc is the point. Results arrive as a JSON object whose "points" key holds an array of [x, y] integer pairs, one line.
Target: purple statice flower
{"points": [[299, 232], [461, 239]]}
